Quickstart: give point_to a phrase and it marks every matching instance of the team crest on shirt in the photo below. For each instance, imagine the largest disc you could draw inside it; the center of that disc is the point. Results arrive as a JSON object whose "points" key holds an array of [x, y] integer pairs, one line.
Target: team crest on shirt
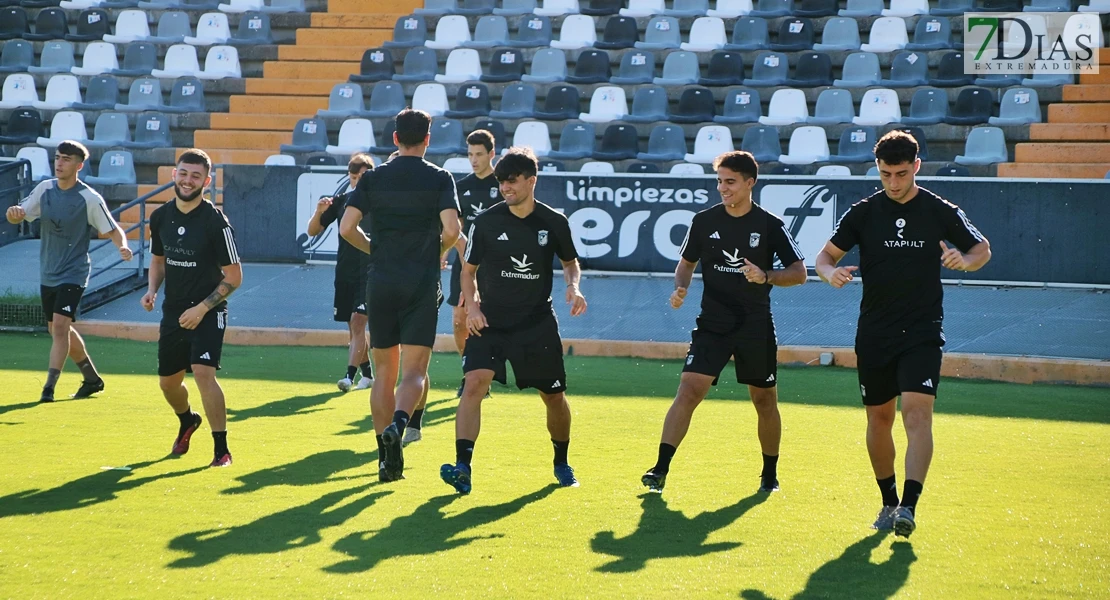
{"points": [[542, 238], [180, 231], [493, 192], [753, 241]]}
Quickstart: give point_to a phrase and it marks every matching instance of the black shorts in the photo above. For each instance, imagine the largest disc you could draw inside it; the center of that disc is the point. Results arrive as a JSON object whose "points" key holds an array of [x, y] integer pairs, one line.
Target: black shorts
{"points": [[456, 282], [756, 358], [350, 298], [399, 314], [179, 349], [534, 349], [916, 369], [60, 300]]}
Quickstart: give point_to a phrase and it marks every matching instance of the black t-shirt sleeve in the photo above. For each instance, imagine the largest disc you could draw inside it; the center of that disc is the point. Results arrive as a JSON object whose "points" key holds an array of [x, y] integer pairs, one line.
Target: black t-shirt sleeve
{"points": [[846, 233], [783, 244], [691, 246], [448, 197], [331, 215], [958, 228], [156, 247], [564, 242], [475, 246], [223, 239], [360, 197]]}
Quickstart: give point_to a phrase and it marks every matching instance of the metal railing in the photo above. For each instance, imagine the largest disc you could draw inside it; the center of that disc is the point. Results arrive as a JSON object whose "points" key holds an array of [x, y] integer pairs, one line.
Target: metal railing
{"points": [[22, 189], [139, 256]]}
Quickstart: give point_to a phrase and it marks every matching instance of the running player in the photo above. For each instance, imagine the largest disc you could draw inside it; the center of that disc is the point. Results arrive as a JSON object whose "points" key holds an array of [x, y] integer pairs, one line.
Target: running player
{"points": [[69, 210], [900, 232], [414, 220], [350, 279], [506, 283], [736, 243], [192, 249]]}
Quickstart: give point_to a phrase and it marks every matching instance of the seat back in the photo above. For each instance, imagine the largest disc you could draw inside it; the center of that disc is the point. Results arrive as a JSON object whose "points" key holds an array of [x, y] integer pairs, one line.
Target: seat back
{"points": [[609, 100], [751, 30], [473, 97], [451, 31], [376, 64], [535, 135], [762, 142], [663, 32], [430, 98], [174, 25], [188, 95], [860, 67], [743, 103], [222, 60], [881, 106], [145, 92], [410, 30], [1017, 103], [650, 101], [770, 66], [491, 29], [834, 105], [637, 64], [682, 66], [17, 55], [788, 103], [111, 128], [534, 31], [253, 28], [858, 142], [387, 96], [57, 56], [577, 138], [841, 33]]}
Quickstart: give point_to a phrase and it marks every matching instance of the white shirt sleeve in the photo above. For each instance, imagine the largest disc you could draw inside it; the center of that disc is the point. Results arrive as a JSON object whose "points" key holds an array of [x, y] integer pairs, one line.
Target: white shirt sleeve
{"points": [[97, 210], [32, 204]]}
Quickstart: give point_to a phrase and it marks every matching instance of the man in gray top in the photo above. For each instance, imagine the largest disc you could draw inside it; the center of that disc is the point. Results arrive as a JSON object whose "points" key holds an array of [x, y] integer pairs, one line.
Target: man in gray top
{"points": [[70, 211]]}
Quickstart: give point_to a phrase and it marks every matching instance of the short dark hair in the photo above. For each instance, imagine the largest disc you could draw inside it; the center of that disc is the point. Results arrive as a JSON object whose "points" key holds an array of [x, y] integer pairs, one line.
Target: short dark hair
{"points": [[413, 126], [360, 161], [896, 147], [740, 161], [72, 148], [196, 156], [480, 137], [516, 162]]}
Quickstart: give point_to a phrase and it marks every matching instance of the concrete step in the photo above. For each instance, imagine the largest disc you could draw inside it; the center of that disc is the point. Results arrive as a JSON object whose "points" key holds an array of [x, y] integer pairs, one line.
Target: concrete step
{"points": [[1062, 153], [335, 20], [320, 53], [337, 71], [1053, 171], [1069, 132], [1087, 93], [1103, 75], [255, 122], [278, 105], [364, 7], [243, 140], [1090, 112], [348, 37], [290, 87]]}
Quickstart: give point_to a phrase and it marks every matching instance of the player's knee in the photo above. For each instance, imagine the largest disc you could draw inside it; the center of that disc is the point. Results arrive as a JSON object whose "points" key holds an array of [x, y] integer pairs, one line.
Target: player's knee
{"points": [[169, 384], [917, 418], [204, 375], [555, 399], [59, 329], [688, 396], [881, 416], [764, 400]]}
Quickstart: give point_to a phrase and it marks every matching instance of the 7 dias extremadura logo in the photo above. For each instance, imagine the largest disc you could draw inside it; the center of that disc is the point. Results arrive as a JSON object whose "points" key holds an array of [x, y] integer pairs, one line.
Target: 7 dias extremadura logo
{"points": [[1031, 43]]}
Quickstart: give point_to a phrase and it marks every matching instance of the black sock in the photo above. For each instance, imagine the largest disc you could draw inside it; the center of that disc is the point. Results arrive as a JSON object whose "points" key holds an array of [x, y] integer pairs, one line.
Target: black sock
{"points": [[367, 370], [666, 453], [889, 489], [88, 371], [401, 420], [561, 451], [220, 438], [186, 417], [770, 466], [417, 416], [464, 451], [351, 371], [52, 376], [911, 491], [378, 439]]}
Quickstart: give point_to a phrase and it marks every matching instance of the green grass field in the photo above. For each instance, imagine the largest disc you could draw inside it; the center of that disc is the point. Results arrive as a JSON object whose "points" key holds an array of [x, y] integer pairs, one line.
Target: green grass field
{"points": [[1015, 506]]}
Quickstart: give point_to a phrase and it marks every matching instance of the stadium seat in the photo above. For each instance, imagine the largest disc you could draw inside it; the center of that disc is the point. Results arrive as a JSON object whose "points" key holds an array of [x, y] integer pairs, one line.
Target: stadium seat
{"points": [[661, 33], [437, 7], [253, 28], [555, 8], [636, 67], [430, 98], [772, 8], [180, 61], [561, 103], [857, 145], [131, 26], [711, 141], [552, 166], [1048, 80], [642, 168], [111, 129], [240, 6], [730, 9], [532, 32], [596, 168], [813, 69], [997, 80], [973, 106], [74, 4], [985, 146], [517, 102], [505, 65], [386, 145], [872, 171], [950, 71], [602, 8], [1095, 6], [475, 7], [917, 134], [742, 105], [788, 106], [24, 127], [145, 94], [497, 128], [463, 64], [510, 8], [186, 96], [665, 143], [649, 104], [840, 33], [345, 100], [50, 24], [794, 34], [706, 35], [932, 33], [19, 90], [457, 164], [950, 170], [688, 8], [40, 162], [608, 103], [548, 66], [451, 32], [951, 8], [408, 32], [16, 56], [762, 141], [769, 69], [687, 170], [618, 142], [577, 31], [643, 8], [592, 66], [376, 65], [908, 69], [13, 23], [471, 100], [491, 31], [834, 171], [1079, 25], [99, 58], [695, 105], [575, 142], [861, 8], [101, 93], [221, 62], [320, 160], [66, 125], [808, 145], [620, 32], [861, 69], [887, 35], [1019, 106], [420, 65], [56, 57], [92, 24], [680, 68], [816, 8], [833, 107], [535, 135], [749, 33], [999, 6], [172, 28], [906, 8], [355, 135], [139, 59], [62, 91], [928, 106], [309, 135], [725, 68], [794, 170], [879, 107], [284, 6]]}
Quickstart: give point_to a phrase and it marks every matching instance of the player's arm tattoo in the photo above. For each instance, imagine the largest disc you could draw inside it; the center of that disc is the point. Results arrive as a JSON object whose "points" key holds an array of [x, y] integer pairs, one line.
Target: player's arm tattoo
{"points": [[220, 294]]}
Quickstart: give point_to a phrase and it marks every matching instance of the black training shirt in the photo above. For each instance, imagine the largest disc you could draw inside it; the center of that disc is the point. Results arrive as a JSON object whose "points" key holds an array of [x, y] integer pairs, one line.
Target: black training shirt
{"points": [[515, 261], [475, 195], [195, 244], [350, 262]]}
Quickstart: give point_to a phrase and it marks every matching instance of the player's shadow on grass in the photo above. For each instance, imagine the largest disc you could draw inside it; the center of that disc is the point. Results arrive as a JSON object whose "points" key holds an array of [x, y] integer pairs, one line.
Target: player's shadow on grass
{"points": [[296, 527], [437, 411], [96, 488], [425, 532], [310, 470], [7, 408], [287, 407], [853, 572], [666, 533]]}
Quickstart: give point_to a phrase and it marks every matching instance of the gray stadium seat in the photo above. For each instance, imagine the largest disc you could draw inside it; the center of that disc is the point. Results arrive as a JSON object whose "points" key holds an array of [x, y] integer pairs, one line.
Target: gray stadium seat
{"points": [[619, 142], [726, 67], [816, 8], [742, 105], [1019, 106], [386, 100], [437, 7], [447, 138], [111, 129], [173, 28], [102, 93], [139, 59], [575, 142], [861, 69], [518, 101], [908, 69], [309, 135], [592, 66], [601, 8], [145, 94], [769, 69], [491, 31], [254, 28], [50, 24], [688, 8], [928, 106], [840, 33], [345, 100], [773, 8], [972, 107], [793, 35], [116, 168], [951, 8], [665, 143], [56, 57], [409, 31], [385, 139], [152, 130], [420, 65], [997, 80], [376, 65], [532, 32], [561, 103], [695, 105], [856, 146], [505, 65], [749, 33], [284, 6], [985, 146], [679, 68], [763, 143], [186, 96], [931, 33], [620, 32], [833, 107], [510, 8], [950, 71], [662, 33], [814, 69], [862, 8], [548, 66], [16, 56], [637, 66], [649, 104], [471, 100], [475, 7]]}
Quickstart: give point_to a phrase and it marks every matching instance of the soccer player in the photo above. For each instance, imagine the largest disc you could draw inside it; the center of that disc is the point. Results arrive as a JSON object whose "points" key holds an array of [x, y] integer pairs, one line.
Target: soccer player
{"points": [[477, 192], [736, 243], [350, 279], [68, 209], [506, 283], [192, 249], [414, 220], [900, 232]]}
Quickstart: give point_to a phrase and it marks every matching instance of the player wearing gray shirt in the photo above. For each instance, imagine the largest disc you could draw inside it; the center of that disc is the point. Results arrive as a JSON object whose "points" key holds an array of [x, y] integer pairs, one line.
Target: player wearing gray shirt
{"points": [[69, 212]]}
